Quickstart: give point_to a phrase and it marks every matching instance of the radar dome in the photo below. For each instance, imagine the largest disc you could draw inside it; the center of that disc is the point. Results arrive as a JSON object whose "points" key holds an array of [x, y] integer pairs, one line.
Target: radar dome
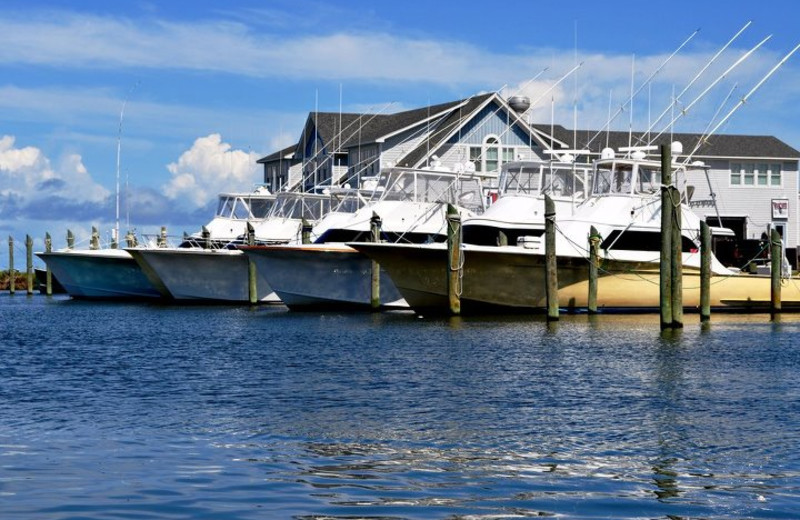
{"points": [[519, 103]]}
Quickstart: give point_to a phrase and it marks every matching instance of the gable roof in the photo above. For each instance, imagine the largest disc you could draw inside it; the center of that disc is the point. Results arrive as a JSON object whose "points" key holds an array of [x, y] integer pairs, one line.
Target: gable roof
{"points": [[445, 129]]}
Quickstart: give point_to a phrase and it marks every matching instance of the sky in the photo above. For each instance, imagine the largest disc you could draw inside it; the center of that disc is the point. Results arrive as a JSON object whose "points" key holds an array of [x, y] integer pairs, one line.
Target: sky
{"points": [[193, 93]]}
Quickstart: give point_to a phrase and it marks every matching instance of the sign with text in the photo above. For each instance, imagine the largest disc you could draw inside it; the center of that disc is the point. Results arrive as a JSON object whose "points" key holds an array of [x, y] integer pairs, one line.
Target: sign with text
{"points": [[780, 208]]}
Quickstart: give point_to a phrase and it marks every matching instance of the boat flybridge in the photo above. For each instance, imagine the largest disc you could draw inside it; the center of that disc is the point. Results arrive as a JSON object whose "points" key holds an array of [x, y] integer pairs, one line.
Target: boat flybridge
{"points": [[234, 212], [519, 208]]}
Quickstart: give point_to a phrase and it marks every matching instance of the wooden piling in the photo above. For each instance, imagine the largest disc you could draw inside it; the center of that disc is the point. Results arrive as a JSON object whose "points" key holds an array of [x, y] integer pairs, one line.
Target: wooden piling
{"points": [[70, 239], [502, 239], [306, 232], [375, 224], [676, 263], [454, 259], [94, 242], [29, 262], [252, 283], [665, 265], [130, 239], [776, 252], [48, 247], [594, 246], [205, 235], [12, 278], [550, 265], [705, 272]]}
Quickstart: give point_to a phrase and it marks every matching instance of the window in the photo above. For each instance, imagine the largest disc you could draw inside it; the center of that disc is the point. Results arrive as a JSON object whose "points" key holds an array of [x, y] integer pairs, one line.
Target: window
{"points": [[736, 174], [749, 170], [762, 172], [492, 154], [475, 157], [756, 174], [775, 175]]}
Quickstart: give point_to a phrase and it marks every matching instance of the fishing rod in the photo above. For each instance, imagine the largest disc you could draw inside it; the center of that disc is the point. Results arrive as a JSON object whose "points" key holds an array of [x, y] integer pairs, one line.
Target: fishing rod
{"points": [[688, 107], [648, 80], [708, 64], [704, 138]]}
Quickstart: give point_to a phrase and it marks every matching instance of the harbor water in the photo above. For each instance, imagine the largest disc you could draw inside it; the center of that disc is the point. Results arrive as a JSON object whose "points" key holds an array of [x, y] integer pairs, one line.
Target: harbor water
{"points": [[143, 411]]}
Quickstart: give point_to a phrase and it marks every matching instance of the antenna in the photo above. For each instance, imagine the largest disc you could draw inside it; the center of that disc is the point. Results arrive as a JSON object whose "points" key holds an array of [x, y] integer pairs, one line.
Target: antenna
{"points": [[575, 95], [608, 121], [119, 149], [630, 111]]}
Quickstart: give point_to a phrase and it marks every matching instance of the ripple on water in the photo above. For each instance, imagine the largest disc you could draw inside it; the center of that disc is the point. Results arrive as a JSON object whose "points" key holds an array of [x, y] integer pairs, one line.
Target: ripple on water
{"points": [[147, 411]]}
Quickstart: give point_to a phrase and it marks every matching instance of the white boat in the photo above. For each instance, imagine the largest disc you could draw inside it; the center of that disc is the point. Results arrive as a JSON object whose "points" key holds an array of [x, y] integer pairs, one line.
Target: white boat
{"points": [[99, 274], [203, 271], [411, 205], [625, 209]]}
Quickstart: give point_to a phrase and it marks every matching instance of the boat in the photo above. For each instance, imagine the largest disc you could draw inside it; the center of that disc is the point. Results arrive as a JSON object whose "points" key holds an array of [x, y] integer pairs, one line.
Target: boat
{"points": [[204, 271], [411, 207], [99, 274], [624, 207]]}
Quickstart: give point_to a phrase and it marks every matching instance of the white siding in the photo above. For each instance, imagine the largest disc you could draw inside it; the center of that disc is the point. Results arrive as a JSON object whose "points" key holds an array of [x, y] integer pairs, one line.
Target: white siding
{"points": [[753, 201]]}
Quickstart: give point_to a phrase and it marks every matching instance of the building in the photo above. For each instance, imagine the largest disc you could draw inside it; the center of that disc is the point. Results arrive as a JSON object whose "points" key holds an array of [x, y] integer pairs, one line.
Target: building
{"points": [[750, 185]]}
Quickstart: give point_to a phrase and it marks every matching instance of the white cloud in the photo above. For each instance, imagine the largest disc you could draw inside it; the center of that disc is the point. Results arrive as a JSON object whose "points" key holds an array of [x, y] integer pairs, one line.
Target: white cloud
{"points": [[209, 167], [26, 174]]}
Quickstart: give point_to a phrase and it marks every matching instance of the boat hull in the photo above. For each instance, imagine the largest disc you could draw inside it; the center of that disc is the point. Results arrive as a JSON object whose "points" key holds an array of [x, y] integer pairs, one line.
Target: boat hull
{"points": [[511, 279], [322, 277], [202, 275], [99, 274]]}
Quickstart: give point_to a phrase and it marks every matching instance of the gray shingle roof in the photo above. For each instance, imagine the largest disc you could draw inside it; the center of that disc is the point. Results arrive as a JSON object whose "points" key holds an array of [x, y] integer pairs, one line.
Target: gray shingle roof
{"points": [[276, 156], [720, 145], [349, 129]]}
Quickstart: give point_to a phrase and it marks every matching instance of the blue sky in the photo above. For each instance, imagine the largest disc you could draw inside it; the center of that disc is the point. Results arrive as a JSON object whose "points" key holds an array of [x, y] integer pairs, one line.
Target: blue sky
{"points": [[211, 87]]}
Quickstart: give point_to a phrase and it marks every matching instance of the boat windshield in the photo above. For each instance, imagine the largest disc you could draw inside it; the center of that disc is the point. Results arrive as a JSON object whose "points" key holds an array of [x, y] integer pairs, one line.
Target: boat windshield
{"points": [[244, 207], [562, 181], [347, 200], [626, 178], [260, 207], [225, 206], [521, 179], [293, 205], [557, 178], [241, 211], [429, 186], [649, 179], [613, 178]]}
